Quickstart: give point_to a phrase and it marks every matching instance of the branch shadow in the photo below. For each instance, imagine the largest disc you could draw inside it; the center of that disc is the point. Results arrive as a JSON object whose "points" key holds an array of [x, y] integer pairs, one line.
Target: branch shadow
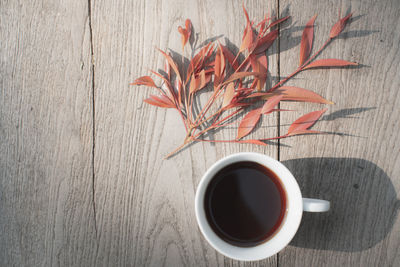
{"points": [[345, 113], [364, 204], [288, 41]]}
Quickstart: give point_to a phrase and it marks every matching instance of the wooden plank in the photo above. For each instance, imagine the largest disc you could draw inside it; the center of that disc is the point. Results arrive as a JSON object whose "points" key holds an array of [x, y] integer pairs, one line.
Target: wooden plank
{"points": [[357, 168], [46, 134], [145, 204]]}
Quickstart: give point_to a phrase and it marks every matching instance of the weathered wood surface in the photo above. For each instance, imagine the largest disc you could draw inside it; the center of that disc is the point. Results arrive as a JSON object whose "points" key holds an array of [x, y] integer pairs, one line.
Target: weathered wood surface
{"points": [[145, 204], [46, 134], [143, 214], [357, 168]]}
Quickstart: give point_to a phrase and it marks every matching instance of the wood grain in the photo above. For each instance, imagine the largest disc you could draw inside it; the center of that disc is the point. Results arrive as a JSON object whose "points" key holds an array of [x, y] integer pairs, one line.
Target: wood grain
{"points": [[145, 204], [357, 165], [46, 134], [83, 181]]}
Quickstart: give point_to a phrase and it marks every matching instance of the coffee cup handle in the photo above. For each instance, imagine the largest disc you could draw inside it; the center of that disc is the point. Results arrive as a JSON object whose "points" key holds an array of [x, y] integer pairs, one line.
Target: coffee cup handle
{"points": [[315, 205]]}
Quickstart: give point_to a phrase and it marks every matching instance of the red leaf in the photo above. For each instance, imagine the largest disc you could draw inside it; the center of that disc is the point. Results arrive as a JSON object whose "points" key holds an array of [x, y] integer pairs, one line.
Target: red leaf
{"points": [[276, 22], [265, 42], [188, 25], [307, 40], [184, 36], [248, 123], [299, 94], [144, 80], [245, 13], [167, 84], [219, 67], [228, 96], [239, 75], [247, 39], [271, 103], [196, 60], [185, 32], [263, 95], [178, 86], [160, 101], [230, 57], [260, 65], [339, 26], [305, 122], [194, 83], [198, 82], [203, 80], [262, 26], [253, 141], [330, 62], [172, 63]]}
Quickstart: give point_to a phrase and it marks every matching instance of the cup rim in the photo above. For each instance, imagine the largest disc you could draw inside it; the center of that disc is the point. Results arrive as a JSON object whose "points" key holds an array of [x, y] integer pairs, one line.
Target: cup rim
{"points": [[288, 228]]}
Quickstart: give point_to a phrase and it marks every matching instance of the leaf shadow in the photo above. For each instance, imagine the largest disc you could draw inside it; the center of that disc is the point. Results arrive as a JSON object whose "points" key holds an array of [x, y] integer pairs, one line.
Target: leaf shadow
{"points": [[209, 40], [177, 57], [288, 41], [345, 113], [354, 33]]}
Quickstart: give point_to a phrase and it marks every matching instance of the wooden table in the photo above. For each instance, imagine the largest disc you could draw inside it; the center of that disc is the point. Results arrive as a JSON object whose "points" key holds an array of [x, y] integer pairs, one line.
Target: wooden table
{"points": [[83, 181]]}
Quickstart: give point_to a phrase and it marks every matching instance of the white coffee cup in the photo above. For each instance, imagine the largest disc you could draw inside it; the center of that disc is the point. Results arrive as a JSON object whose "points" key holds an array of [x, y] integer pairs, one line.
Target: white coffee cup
{"points": [[295, 205]]}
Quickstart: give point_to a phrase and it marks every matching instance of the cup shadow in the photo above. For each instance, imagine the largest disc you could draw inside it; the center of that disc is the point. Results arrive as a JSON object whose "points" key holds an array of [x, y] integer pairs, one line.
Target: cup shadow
{"points": [[364, 204]]}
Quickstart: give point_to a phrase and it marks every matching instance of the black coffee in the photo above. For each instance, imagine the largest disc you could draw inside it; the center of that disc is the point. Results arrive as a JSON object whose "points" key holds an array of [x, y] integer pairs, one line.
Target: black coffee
{"points": [[245, 203]]}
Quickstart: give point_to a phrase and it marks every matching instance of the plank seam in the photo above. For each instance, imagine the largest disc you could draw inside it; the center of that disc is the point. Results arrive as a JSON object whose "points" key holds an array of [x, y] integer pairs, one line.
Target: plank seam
{"points": [[93, 113], [279, 104]]}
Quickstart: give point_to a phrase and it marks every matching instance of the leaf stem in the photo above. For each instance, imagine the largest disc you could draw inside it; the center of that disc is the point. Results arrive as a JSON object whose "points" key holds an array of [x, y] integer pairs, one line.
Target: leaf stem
{"points": [[217, 141], [205, 107], [300, 68], [178, 148]]}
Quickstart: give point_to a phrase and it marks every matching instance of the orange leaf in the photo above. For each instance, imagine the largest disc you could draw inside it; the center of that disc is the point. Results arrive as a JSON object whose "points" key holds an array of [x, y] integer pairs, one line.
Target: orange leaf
{"points": [[330, 62], [194, 84], [172, 63], [271, 103], [184, 36], [299, 94], [339, 26], [305, 122], [160, 101], [239, 75], [253, 141], [144, 80], [228, 96], [203, 80], [188, 25], [185, 32], [248, 123], [265, 42], [307, 40]]}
